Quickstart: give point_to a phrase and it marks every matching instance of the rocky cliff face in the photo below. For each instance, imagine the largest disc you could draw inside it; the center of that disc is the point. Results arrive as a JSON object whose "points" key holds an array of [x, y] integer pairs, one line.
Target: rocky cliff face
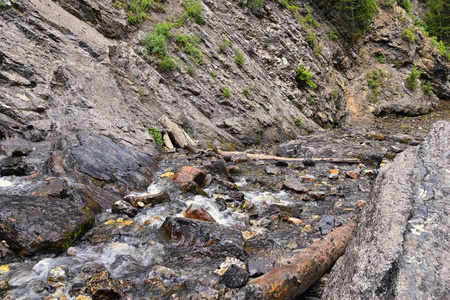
{"points": [[78, 93]]}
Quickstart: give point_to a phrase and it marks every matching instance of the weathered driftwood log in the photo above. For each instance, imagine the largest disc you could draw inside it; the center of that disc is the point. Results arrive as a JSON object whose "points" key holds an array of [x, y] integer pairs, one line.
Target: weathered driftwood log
{"points": [[177, 133], [303, 269], [167, 141], [228, 154]]}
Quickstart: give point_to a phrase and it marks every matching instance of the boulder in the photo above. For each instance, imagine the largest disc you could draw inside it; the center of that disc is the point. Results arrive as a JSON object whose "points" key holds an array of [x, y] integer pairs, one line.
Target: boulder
{"points": [[31, 224], [400, 248]]}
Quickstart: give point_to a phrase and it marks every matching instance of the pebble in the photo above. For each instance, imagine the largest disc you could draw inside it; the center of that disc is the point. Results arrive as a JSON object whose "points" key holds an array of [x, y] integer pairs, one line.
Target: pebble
{"points": [[295, 221], [352, 174], [4, 269]]}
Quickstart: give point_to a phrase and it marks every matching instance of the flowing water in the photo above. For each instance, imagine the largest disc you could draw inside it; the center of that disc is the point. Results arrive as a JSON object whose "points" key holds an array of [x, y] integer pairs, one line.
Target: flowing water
{"points": [[143, 263]]}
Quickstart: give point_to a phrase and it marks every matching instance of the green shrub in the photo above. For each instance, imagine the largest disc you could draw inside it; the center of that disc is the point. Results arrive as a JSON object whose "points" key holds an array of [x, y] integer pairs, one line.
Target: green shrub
{"points": [[156, 41], [246, 92], [408, 34], [225, 44], [137, 10], [427, 88], [256, 3], [156, 133], [333, 35], [298, 121], [213, 74], [405, 4], [386, 3], [304, 77], [193, 10], [375, 82], [443, 49], [190, 71], [412, 79], [226, 91], [167, 63], [380, 58], [239, 59], [189, 42], [314, 43]]}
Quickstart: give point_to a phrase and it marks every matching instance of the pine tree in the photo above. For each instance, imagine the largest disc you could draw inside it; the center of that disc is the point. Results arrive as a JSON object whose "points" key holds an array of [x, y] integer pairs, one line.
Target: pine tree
{"points": [[437, 19], [359, 14]]}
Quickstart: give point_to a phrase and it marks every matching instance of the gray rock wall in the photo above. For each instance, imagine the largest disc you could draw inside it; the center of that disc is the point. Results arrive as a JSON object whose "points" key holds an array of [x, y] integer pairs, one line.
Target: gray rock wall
{"points": [[400, 248]]}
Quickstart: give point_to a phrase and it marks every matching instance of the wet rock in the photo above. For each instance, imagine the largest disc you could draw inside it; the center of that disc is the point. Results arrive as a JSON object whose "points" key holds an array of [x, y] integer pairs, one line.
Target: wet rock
{"points": [[295, 184], [194, 188], [369, 173], [31, 225], [281, 163], [197, 212], [309, 163], [164, 272], [57, 274], [149, 200], [220, 240], [234, 277], [352, 174], [250, 292], [317, 195], [401, 238], [55, 188], [229, 261], [272, 170], [103, 287], [234, 169], [13, 166], [127, 166], [123, 207], [258, 266], [20, 152], [217, 167], [326, 224], [187, 174], [240, 158], [298, 166]]}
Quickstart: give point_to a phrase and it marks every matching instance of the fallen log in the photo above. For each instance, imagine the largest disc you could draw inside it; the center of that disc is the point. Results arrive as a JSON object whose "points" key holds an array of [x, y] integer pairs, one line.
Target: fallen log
{"points": [[228, 154], [302, 270], [177, 133], [167, 141]]}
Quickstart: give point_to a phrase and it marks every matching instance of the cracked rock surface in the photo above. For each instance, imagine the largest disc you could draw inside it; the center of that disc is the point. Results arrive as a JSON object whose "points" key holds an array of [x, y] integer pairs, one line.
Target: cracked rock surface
{"points": [[401, 248]]}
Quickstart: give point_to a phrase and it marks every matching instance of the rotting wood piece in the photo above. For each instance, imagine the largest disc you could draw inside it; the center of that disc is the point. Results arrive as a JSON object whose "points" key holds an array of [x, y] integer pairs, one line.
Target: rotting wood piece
{"points": [[177, 133], [303, 269], [228, 154]]}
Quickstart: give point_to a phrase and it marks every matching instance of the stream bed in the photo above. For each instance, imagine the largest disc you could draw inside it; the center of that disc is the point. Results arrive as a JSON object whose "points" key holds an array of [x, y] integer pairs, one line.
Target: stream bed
{"points": [[257, 212]]}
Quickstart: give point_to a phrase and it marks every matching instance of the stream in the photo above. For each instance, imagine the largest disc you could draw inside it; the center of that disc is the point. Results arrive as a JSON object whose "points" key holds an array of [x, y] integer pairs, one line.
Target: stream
{"points": [[264, 211]]}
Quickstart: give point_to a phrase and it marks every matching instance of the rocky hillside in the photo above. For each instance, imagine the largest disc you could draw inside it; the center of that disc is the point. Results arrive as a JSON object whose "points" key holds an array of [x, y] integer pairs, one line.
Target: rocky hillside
{"points": [[81, 82]]}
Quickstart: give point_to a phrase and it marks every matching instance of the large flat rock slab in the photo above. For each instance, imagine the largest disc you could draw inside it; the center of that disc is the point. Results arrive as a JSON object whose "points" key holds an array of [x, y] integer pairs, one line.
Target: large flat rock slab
{"points": [[401, 247]]}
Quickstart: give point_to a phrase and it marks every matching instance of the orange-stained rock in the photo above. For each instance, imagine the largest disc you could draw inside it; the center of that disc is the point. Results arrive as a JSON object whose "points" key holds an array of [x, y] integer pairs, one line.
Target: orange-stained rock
{"points": [[187, 174], [352, 174], [197, 212], [334, 171]]}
